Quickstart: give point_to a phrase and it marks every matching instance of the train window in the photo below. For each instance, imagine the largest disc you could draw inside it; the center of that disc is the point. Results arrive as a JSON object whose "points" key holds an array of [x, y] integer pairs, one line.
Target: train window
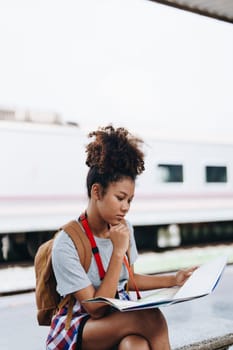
{"points": [[216, 173], [170, 172]]}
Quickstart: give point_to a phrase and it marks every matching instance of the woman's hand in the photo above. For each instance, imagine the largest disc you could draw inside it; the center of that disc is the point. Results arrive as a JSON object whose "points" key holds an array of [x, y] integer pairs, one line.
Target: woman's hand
{"points": [[182, 275], [119, 235]]}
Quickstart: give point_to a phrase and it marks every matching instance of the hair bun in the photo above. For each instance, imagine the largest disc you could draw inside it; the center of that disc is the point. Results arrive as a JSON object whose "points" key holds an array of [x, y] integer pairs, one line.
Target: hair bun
{"points": [[115, 150]]}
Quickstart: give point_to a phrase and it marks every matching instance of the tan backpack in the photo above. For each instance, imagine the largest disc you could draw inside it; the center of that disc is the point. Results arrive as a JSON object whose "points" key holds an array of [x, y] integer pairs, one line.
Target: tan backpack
{"points": [[48, 300]]}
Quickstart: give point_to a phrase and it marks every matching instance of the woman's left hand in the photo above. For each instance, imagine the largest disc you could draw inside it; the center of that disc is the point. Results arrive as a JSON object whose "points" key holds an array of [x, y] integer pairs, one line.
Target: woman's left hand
{"points": [[182, 275]]}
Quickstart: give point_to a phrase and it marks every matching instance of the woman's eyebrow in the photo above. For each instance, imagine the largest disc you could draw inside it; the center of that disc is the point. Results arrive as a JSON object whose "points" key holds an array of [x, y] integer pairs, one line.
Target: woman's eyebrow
{"points": [[125, 194]]}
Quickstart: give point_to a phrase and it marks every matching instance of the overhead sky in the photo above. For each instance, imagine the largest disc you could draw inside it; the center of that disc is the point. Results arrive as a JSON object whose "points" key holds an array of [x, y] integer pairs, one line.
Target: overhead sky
{"points": [[130, 62]]}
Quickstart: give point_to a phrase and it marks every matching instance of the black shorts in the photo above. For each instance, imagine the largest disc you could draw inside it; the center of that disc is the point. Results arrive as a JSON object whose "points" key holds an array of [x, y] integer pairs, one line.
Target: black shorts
{"points": [[80, 332]]}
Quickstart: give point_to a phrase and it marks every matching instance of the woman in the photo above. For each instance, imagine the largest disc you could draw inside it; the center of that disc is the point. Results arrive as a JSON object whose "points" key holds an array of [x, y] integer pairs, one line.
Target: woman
{"points": [[115, 159]]}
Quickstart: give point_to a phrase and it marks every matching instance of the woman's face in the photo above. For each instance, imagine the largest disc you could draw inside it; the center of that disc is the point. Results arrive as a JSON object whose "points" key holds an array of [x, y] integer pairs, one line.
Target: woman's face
{"points": [[114, 204]]}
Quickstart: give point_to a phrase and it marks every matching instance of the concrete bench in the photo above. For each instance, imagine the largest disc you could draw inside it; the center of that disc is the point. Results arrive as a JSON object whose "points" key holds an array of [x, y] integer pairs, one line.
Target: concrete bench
{"points": [[205, 323], [222, 342]]}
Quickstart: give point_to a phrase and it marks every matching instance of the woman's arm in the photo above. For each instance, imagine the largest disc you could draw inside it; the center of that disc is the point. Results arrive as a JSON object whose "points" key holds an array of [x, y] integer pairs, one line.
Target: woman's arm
{"points": [[107, 288], [119, 235], [146, 282]]}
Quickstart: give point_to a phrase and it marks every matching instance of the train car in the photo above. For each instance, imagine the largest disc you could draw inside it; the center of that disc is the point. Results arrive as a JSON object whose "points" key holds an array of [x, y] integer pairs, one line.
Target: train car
{"points": [[184, 196], [42, 179]]}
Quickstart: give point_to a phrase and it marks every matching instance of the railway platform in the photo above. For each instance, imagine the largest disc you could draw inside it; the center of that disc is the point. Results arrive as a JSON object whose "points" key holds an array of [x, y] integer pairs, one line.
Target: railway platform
{"points": [[205, 323], [202, 324]]}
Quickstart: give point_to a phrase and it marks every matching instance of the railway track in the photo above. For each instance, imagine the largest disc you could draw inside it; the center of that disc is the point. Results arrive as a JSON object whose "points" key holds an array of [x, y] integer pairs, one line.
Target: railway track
{"points": [[159, 250], [18, 276]]}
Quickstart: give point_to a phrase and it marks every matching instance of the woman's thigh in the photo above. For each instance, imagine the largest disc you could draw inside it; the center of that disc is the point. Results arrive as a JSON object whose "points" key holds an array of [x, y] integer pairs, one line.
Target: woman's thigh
{"points": [[104, 333]]}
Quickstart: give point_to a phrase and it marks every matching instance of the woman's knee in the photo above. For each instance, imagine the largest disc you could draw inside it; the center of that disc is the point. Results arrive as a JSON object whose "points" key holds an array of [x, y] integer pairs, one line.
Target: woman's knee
{"points": [[154, 318], [134, 342]]}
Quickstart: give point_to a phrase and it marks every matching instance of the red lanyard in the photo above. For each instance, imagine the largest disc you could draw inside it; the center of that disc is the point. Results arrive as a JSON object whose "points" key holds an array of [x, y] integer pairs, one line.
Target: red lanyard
{"points": [[94, 247], [95, 251], [132, 277]]}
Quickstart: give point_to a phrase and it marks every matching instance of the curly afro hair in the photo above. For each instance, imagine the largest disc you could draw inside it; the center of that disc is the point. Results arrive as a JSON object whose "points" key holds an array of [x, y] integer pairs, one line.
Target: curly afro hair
{"points": [[114, 154]]}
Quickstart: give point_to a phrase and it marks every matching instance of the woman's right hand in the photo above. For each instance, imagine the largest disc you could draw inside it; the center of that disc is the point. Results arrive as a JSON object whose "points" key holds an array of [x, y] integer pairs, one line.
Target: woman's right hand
{"points": [[119, 235]]}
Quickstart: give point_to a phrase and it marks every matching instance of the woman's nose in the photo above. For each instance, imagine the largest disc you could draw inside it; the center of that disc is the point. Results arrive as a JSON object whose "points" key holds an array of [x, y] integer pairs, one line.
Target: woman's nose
{"points": [[125, 206]]}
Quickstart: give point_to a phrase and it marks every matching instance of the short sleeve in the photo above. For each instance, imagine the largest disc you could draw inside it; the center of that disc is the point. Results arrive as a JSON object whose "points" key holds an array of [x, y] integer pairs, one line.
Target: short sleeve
{"points": [[69, 272], [133, 247]]}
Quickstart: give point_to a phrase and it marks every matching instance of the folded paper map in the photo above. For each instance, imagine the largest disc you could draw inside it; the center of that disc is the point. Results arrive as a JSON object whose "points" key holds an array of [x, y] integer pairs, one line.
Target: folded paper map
{"points": [[201, 283]]}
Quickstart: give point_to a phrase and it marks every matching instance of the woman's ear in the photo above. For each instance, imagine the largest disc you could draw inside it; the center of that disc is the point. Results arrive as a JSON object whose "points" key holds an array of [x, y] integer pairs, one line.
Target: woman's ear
{"points": [[96, 191]]}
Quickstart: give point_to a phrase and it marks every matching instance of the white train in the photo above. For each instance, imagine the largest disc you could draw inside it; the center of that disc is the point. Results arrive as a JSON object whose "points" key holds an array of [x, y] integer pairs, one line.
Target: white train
{"points": [[184, 196]]}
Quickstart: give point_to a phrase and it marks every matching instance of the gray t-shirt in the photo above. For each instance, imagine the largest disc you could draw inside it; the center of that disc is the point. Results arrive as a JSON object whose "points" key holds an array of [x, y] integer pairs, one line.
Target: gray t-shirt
{"points": [[69, 272]]}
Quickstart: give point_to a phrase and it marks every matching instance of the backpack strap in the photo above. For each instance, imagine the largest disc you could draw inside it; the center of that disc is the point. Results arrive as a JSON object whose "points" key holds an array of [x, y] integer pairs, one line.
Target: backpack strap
{"points": [[81, 242], [83, 247]]}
